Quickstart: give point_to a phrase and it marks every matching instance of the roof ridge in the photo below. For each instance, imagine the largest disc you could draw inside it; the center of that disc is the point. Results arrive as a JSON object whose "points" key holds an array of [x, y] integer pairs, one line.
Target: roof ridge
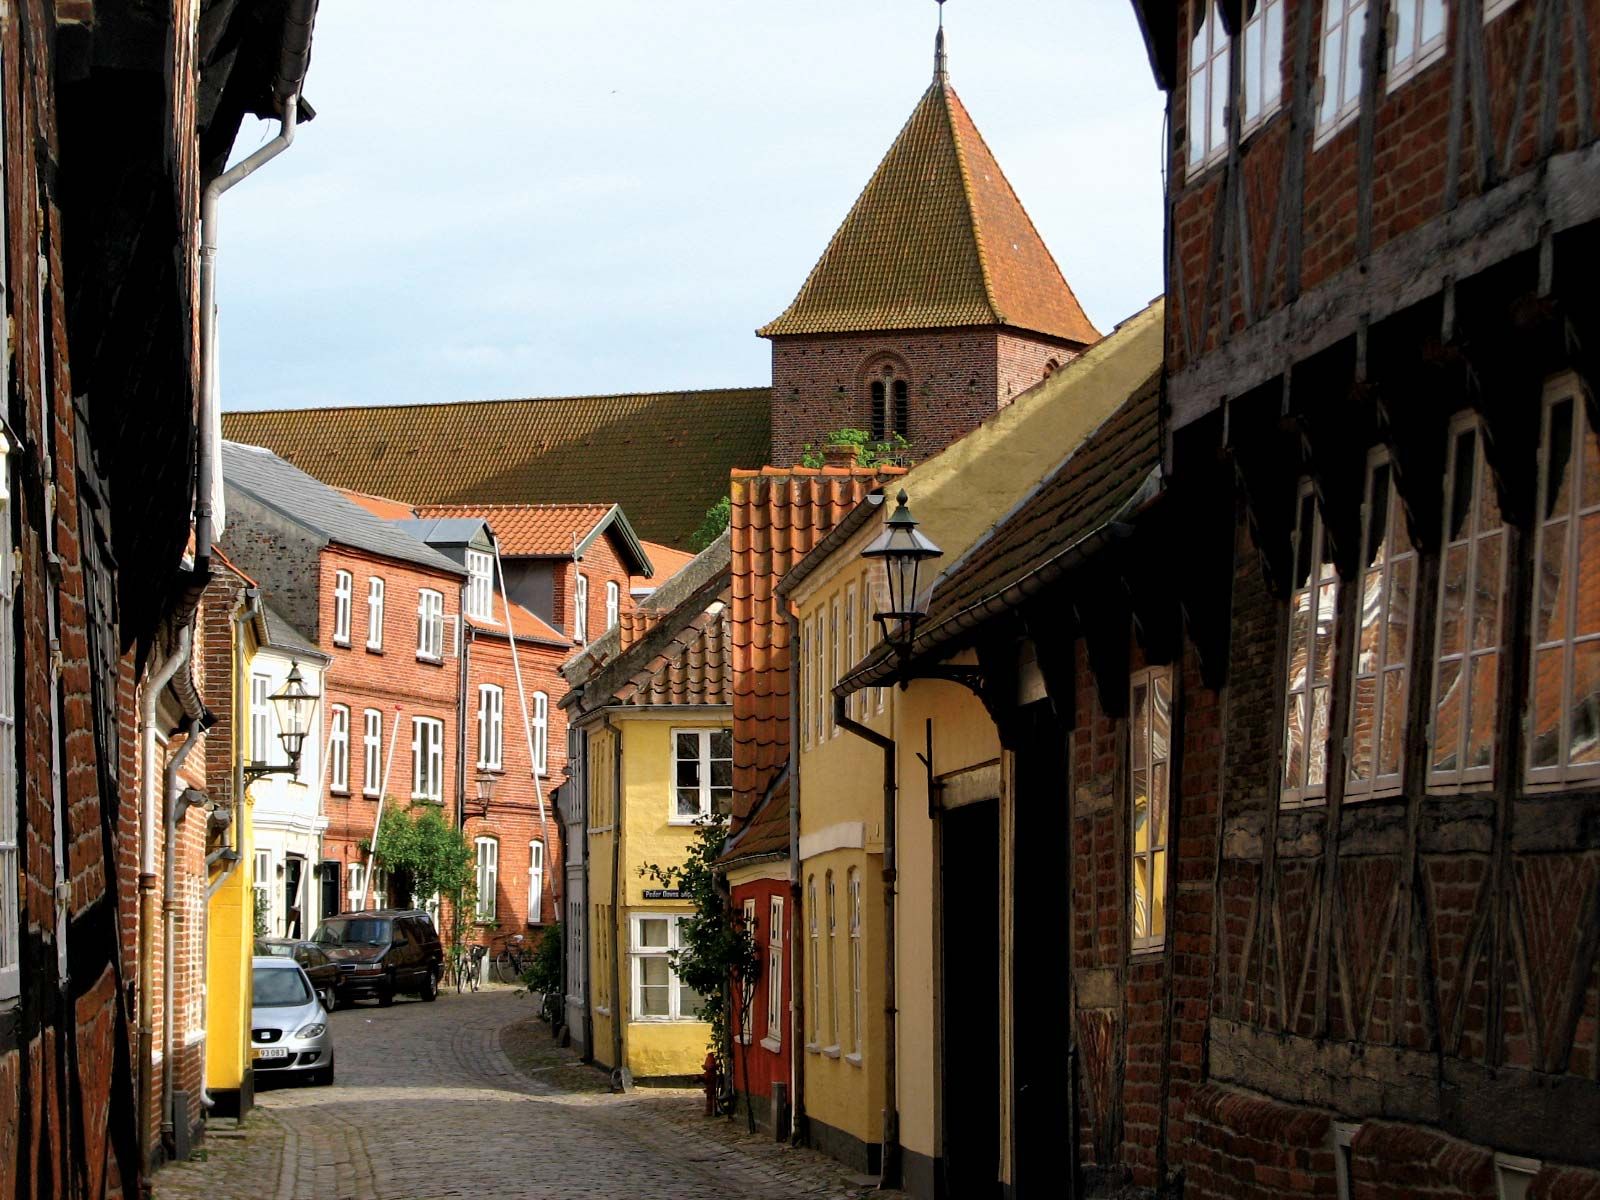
{"points": [[246, 412], [840, 472], [948, 93]]}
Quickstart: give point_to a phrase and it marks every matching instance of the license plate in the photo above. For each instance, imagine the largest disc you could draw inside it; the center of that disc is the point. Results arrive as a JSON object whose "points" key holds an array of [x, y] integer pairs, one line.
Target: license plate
{"points": [[272, 1052]]}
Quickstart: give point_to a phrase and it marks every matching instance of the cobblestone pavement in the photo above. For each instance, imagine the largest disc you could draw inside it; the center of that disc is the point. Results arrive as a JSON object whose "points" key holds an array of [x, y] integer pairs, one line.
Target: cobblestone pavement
{"points": [[469, 1097]]}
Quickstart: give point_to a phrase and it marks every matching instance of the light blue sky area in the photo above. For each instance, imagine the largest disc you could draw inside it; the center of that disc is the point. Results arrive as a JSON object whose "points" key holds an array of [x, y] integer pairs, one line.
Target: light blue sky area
{"points": [[525, 197]]}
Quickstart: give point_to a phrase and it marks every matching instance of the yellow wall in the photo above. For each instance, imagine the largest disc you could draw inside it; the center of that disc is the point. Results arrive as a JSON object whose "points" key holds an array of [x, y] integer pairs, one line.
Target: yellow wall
{"points": [[602, 939]]}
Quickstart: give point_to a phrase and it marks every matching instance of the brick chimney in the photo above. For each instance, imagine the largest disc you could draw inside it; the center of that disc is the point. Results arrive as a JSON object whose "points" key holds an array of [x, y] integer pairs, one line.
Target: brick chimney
{"points": [[845, 454]]}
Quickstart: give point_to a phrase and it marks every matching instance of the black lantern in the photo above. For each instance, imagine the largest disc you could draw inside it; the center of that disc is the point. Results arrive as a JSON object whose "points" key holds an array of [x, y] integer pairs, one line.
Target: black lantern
{"points": [[294, 706], [485, 788], [902, 550]]}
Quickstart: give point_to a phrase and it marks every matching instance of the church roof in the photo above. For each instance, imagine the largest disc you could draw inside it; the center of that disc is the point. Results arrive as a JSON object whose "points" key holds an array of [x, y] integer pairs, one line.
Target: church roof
{"points": [[937, 238]]}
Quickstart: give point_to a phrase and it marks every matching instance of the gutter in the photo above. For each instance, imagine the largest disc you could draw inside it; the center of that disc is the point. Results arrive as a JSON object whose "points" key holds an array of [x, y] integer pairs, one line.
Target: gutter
{"points": [[890, 1155], [231, 856], [176, 806]]}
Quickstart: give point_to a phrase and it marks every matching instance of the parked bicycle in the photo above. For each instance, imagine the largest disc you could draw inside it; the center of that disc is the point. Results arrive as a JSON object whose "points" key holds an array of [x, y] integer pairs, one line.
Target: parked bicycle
{"points": [[514, 958], [469, 967]]}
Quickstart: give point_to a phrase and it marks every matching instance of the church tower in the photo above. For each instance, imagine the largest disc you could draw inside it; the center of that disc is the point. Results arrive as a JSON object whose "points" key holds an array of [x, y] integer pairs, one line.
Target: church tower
{"points": [[933, 306]]}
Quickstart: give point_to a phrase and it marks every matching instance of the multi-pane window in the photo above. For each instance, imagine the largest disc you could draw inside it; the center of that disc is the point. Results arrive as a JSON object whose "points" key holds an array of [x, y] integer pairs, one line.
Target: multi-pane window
{"points": [[541, 732], [613, 603], [833, 964], [658, 993], [491, 726], [775, 969], [814, 1010], [1416, 37], [835, 657], [427, 759], [1564, 686], [371, 751], [702, 773], [747, 986], [374, 613], [1208, 86], [535, 882], [891, 406], [1344, 24], [1149, 754], [261, 739], [356, 876], [868, 695], [803, 651], [430, 624], [855, 962], [819, 674], [1261, 62], [341, 607], [10, 981], [339, 748], [1308, 673], [1381, 678], [261, 888], [480, 585], [487, 854], [850, 655], [1472, 580], [580, 608]]}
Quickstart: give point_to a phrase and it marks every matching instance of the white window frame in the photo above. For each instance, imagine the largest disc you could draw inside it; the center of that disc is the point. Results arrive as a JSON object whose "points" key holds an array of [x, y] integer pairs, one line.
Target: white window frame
{"points": [[704, 759], [747, 986], [775, 935], [636, 955], [1321, 573], [1399, 556], [819, 676], [427, 759], [486, 873], [1493, 8], [535, 882], [430, 625], [857, 1009], [371, 751], [1209, 72], [613, 604], [1339, 16], [261, 719], [1462, 778], [1514, 1175], [541, 733], [1563, 388], [491, 726], [830, 890], [480, 586], [804, 652], [851, 658], [1341, 1136], [835, 653], [1257, 37], [10, 841], [354, 874], [1407, 62], [262, 883], [374, 612], [814, 1009], [580, 607], [339, 747], [343, 582], [1151, 678]]}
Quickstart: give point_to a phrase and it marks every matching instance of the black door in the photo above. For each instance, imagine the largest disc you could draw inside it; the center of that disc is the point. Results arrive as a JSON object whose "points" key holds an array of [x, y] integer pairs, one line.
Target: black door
{"points": [[293, 896], [330, 887], [970, 920]]}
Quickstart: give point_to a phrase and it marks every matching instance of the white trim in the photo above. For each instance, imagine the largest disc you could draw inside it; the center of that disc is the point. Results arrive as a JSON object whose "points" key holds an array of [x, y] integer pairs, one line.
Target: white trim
{"points": [[480, 586], [638, 954], [580, 607], [776, 871], [1213, 73], [486, 874], [1338, 17], [427, 759], [1514, 1175], [535, 882], [1493, 8], [339, 747], [613, 604], [430, 625], [1423, 52], [1340, 1137], [704, 786], [541, 732], [845, 835], [1155, 855], [371, 751], [343, 583], [1320, 573], [491, 726], [1256, 27], [375, 610]]}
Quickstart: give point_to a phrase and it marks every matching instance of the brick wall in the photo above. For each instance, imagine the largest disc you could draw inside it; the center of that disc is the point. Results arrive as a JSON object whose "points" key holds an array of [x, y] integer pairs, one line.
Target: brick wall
{"points": [[602, 564]]}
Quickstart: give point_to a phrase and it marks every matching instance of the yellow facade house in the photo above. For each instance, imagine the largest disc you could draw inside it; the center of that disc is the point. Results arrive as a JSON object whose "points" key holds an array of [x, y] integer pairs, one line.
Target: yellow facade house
{"points": [[650, 720], [939, 1002]]}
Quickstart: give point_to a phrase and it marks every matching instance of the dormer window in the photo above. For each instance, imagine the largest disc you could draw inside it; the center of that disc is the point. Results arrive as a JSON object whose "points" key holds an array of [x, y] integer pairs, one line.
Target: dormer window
{"points": [[480, 585]]}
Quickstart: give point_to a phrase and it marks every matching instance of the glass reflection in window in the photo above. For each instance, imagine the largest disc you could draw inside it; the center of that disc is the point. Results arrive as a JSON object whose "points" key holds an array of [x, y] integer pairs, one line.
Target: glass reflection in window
{"points": [[1308, 673], [1149, 752]]}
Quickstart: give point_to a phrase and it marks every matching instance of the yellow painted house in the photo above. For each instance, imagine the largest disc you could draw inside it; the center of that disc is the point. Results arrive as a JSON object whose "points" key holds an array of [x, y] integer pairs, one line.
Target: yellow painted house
{"points": [[937, 996], [650, 720]]}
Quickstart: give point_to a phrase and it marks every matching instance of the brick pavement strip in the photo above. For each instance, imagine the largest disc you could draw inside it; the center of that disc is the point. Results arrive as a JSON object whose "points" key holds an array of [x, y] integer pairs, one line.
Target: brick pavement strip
{"points": [[466, 1097]]}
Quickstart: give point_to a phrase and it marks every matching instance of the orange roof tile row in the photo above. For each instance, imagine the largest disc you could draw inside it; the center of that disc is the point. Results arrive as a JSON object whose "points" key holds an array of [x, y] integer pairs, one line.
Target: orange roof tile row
{"points": [[529, 530], [379, 506], [525, 623], [778, 515], [694, 668], [667, 560]]}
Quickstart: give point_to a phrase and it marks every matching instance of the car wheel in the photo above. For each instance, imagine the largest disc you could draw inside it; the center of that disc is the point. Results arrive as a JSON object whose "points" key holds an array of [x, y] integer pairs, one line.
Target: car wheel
{"points": [[386, 997], [323, 1076], [430, 988], [329, 998]]}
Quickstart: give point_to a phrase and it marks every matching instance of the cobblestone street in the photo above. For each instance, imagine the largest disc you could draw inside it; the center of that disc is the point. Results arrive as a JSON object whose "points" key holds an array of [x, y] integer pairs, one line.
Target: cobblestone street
{"points": [[467, 1096]]}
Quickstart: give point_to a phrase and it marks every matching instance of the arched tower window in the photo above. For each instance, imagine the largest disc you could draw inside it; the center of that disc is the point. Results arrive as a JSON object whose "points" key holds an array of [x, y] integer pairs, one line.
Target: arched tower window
{"points": [[891, 401]]}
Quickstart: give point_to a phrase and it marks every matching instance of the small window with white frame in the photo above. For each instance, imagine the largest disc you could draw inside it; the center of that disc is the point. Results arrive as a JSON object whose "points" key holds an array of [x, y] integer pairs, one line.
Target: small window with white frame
{"points": [[1514, 1176], [580, 608], [1149, 785], [430, 625], [339, 748], [850, 655], [819, 676], [1308, 671], [775, 971], [541, 732], [1564, 678], [10, 866], [535, 882], [613, 603], [747, 985], [830, 892], [261, 739], [427, 759], [487, 858], [355, 875], [658, 993], [857, 1011], [261, 889], [480, 585], [802, 652], [702, 773], [491, 726], [1468, 637], [835, 658], [371, 752], [1208, 86], [814, 1010], [1380, 681], [342, 583], [1344, 26], [1416, 32], [374, 613], [1342, 1136], [1261, 63]]}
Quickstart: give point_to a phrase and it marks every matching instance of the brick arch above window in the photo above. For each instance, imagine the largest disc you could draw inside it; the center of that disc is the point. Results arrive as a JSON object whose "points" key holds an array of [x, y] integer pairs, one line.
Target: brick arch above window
{"points": [[885, 387]]}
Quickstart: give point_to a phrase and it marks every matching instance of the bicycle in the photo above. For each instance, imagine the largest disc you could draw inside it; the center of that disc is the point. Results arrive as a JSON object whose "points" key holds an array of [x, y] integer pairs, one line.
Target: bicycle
{"points": [[469, 967], [512, 960]]}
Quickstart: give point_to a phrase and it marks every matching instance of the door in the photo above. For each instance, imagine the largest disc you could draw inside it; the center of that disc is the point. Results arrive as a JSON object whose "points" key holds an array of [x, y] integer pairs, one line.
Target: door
{"points": [[293, 895], [969, 873], [330, 888]]}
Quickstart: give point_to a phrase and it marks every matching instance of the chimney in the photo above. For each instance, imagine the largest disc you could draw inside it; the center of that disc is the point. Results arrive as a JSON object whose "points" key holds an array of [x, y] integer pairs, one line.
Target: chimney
{"points": [[844, 454]]}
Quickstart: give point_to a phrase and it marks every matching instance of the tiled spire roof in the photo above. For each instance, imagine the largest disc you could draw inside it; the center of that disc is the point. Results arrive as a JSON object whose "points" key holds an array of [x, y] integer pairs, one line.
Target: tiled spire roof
{"points": [[937, 238]]}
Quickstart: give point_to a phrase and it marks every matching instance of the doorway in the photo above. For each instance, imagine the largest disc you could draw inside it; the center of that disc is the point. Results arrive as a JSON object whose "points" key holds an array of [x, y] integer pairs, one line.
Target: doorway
{"points": [[294, 869], [969, 873], [330, 887]]}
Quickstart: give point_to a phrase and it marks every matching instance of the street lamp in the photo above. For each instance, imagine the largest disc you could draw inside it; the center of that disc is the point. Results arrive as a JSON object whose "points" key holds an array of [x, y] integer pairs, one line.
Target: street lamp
{"points": [[902, 550], [294, 706], [485, 788]]}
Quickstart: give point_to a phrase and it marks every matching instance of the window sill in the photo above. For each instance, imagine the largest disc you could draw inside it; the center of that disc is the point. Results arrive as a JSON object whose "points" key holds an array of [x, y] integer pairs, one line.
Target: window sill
{"points": [[744, 1039], [773, 1044], [430, 660], [853, 1059], [831, 1051], [813, 1048], [342, 643], [1326, 133], [602, 1010], [1141, 954], [369, 795], [1302, 802], [684, 822], [339, 791], [1195, 171], [371, 649], [1254, 125], [1397, 78]]}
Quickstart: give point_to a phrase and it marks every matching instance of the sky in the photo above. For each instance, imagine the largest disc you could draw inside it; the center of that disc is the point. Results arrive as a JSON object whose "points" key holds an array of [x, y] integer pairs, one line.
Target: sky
{"points": [[602, 196]]}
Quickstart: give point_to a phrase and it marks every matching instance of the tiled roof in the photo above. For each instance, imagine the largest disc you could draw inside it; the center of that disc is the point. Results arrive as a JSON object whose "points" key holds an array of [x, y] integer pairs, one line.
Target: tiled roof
{"points": [[937, 238], [530, 530], [527, 625], [777, 516], [283, 636], [379, 506], [766, 833], [664, 457], [1106, 477], [667, 562], [692, 668]]}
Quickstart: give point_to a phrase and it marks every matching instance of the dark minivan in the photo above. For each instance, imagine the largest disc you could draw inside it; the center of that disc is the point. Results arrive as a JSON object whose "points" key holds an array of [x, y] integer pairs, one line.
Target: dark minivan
{"points": [[383, 954]]}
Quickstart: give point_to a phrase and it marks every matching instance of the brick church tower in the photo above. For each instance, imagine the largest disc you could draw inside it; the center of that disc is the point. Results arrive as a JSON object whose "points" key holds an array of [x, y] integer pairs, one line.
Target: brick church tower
{"points": [[935, 303]]}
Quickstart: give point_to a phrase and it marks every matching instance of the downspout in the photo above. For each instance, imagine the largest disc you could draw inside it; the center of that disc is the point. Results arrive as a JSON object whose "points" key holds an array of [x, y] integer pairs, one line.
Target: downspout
{"points": [[148, 700], [797, 991], [175, 809], [616, 893], [468, 636], [890, 1176], [241, 682]]}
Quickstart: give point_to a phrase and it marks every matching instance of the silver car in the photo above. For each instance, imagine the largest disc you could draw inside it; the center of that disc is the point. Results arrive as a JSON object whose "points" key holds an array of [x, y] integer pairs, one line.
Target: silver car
{"points": [[288, 1025]]}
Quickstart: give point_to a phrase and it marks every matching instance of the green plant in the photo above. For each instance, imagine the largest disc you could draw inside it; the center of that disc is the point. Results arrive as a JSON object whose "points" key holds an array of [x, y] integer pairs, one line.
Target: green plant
{"points": [[416, 843], [719, 958], [259, 912], [870, 451], [711, 525], [544, 972]]}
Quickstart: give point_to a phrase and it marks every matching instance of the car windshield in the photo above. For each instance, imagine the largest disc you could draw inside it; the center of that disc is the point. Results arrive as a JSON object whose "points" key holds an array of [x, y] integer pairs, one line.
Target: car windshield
{"points": [[275, 949], [365, 932], [279, 988]]}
